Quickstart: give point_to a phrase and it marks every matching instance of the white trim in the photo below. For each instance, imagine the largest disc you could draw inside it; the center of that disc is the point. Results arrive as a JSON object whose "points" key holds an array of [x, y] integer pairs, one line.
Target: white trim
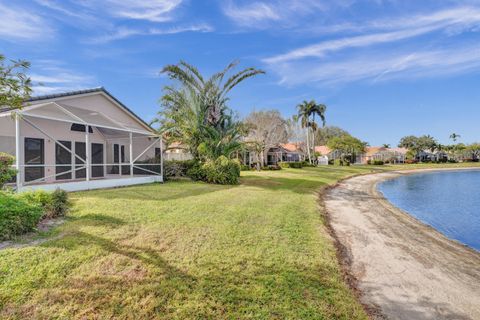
{"points": [[86, 94], [93, 184]]}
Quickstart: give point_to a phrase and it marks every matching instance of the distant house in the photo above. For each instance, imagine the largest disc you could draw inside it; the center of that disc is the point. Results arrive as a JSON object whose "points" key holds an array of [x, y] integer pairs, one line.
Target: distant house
{"points": [[287, 152], [393, 155], [177, 151], [80, 140]]}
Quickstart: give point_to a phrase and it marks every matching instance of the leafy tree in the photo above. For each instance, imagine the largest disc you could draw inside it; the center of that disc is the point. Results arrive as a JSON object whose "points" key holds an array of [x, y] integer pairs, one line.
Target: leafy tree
{"points": [[266, 129], [474, 149], [307, 111], [195, 110], [347, 146], [418, 144], [323, 135], [386, 146], [15, 85]]}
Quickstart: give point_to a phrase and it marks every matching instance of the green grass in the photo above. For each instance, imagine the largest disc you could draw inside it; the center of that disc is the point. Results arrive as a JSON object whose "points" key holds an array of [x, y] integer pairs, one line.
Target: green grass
{"points": [[185, 250]]}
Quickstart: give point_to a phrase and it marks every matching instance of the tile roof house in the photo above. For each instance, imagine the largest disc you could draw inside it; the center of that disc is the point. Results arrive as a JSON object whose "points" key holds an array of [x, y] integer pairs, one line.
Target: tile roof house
{"points": [[80, 140]]}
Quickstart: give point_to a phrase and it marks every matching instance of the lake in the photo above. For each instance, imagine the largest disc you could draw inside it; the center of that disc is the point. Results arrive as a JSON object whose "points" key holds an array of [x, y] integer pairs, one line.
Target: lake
{"points": [[449, 201]]}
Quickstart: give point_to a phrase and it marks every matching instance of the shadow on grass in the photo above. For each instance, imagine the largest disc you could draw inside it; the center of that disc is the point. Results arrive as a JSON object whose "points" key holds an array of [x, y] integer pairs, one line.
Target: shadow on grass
{"points": [[159, 192]]}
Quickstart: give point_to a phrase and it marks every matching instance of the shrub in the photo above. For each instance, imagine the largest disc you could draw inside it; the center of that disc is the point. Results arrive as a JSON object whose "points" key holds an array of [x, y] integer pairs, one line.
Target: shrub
{"points": [[340, 162], [244, 167], [272, 167], [291, 164], [219, 171], [53, 204], [177, 168], [7, 173], [378, 162], [410, 161], [17, 216]]}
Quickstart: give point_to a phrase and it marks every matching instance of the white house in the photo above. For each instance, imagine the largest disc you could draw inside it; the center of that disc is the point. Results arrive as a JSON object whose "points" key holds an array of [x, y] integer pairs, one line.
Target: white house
{"points": [[80, 140]]}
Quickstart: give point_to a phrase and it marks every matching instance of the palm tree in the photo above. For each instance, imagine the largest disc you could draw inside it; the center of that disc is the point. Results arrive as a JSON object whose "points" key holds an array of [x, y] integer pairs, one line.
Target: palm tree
{"points": [[455, 137], [213, 91], [196, 113], [307, 110], [386, 146]]}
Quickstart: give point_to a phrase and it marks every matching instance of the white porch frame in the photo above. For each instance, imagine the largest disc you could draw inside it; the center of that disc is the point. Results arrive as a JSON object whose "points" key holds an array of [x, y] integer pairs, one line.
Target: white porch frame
{"points": [[89, 182]]}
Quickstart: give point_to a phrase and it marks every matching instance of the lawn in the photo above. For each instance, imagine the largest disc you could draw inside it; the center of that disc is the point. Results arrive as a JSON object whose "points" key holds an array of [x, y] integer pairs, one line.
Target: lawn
{"points": [[185, 250]]}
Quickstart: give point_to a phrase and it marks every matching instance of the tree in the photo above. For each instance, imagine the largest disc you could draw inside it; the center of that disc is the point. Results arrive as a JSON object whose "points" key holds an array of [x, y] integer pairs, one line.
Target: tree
{"points": [[195, 111], [15, 85], [323, 135], [474, 149], [266, 129], [386, 146], [307, 111], [454, 137], [347, 146], [418, 144]]}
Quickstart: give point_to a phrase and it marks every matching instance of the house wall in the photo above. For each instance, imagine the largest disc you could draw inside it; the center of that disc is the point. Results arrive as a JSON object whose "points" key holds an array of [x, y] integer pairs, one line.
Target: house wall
{"points": [[62, 131]]}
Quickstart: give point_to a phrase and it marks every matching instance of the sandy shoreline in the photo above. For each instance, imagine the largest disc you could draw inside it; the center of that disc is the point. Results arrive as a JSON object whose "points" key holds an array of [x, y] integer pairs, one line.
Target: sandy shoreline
{"points": [[403, 268]]}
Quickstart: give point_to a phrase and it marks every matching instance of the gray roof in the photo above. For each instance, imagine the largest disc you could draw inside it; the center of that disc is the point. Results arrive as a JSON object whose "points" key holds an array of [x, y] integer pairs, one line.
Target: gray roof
{"points": [[79, 92]]}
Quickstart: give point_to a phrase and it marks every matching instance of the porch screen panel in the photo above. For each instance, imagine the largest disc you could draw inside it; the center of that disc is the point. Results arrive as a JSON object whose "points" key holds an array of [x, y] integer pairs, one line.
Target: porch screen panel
{"points": [[62, 159], [80, 151], [125, 168], [97, 158], [34, 155]]}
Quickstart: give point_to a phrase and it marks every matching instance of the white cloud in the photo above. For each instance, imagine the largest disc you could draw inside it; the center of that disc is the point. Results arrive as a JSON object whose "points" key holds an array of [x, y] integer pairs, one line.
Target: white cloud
{"points": [[18, 24], [384, 66], [149, 10], [50, 76], [256, 12], [454, 19], [122, 33]]}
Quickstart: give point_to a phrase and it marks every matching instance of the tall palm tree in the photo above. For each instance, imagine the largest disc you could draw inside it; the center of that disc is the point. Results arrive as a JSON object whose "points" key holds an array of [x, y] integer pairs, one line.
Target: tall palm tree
{"points": [[307, 111], [196, 113], [214, 90], [455, 137]]}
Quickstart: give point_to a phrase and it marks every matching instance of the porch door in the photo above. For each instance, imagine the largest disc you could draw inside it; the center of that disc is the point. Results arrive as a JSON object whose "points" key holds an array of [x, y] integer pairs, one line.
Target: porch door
{"points": [[63, 159], [34, 155], [97, 158], [80, 151]]}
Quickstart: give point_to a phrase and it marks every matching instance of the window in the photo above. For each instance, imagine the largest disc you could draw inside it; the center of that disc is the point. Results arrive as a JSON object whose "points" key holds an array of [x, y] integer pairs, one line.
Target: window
{"points": [[63, 158], [80, 128], [158, 153], [97, 158], [80, 151], [34, 155], [125, 169]]}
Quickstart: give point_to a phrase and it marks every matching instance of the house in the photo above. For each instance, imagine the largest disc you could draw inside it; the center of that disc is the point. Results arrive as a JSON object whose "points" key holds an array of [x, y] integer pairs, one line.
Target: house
{"points": [[285, 152], [80, 140], [178, 152], [393, 155]]}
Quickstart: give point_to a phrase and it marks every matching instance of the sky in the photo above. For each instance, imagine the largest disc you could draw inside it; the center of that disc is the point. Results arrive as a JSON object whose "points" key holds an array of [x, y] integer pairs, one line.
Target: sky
{"points": [[384, 68]]}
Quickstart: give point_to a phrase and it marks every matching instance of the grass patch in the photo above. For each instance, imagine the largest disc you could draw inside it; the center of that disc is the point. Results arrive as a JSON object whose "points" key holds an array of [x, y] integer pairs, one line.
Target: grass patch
{"points": [[186, 250]]}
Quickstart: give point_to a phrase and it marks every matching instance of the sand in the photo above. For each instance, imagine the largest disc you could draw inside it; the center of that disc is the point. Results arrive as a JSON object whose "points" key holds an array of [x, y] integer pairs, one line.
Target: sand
{"points": [[402, 268]]}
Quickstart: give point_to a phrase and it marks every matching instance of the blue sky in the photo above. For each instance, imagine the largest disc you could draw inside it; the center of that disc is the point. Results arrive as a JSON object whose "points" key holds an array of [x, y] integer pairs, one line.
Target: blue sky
{"points": [[384, 68]]}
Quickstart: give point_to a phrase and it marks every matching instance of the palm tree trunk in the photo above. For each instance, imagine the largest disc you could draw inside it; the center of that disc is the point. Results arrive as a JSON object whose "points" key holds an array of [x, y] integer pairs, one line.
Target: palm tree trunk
{"points": [[308, 145]]}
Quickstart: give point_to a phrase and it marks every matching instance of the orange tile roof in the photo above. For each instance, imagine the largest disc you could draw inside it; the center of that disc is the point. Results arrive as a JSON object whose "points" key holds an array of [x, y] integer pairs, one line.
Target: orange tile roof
{"points": [[292, 147], [324, 150]]}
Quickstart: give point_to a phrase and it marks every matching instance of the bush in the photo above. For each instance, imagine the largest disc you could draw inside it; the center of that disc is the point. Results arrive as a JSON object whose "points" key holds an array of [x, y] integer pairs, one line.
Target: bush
{"points": [[7, 173], [272, 167], [244, 167], [340, 162], [291, 164], [219, 171], [54, 204], [177, 168], [410, 161], [17, 216], [378, 162]]}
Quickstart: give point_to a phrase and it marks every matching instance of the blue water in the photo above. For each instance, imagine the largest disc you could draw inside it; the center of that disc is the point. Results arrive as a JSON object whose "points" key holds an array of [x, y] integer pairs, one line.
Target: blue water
{"points": [[449, 201]]}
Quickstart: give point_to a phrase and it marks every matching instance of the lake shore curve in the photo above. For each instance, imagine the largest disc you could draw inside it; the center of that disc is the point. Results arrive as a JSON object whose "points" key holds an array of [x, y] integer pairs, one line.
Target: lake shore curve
{"points": [[402, 267]]}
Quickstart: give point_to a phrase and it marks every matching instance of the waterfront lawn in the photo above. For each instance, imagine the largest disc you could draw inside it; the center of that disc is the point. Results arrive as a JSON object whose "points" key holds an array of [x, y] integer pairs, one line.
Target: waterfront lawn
{"points": [[187, 250]]}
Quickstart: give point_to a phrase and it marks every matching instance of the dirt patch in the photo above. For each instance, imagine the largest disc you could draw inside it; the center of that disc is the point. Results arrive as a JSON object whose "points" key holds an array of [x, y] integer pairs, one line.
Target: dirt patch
{"points": [[32, 239], [402, 268]]}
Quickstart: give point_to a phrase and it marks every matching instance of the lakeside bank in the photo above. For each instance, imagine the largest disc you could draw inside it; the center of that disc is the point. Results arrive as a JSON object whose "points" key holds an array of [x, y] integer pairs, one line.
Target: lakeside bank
{"points": [[402, 267]]}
